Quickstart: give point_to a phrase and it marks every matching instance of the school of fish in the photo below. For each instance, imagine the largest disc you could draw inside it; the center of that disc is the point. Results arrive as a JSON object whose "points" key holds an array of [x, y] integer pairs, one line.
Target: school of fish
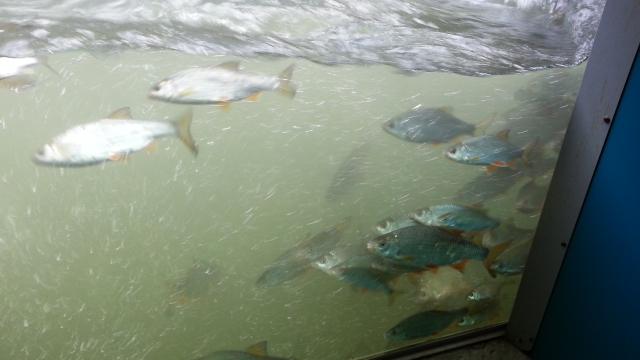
{"points": [[454, 253]]}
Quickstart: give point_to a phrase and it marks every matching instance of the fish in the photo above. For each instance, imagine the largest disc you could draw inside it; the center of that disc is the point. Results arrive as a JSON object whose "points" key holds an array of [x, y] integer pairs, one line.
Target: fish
{"points": [[493, 151], [282, 270], [256, 351], [339, 259], [221, 84], [513, 260], [423, 247], [111, 139], [531, 197], [298, 259], [15, 66], [366, 278], [505, 233], [428, 125], [485, 187], [389, 224], [449, 289], [423, 324], [348, 173], [196, 284], [455, 217]]}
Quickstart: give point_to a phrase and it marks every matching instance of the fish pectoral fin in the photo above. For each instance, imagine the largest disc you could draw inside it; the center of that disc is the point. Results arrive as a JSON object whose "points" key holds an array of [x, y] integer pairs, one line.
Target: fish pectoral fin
{"points": [[185, 92], [122, 113], [491, 169], [258, 349], [151, 148], [118, 157], [494, 252], [226, 105], [503, 135], [433, 269], [229, 65], [461, 265], [446, 109], [255, 97]]}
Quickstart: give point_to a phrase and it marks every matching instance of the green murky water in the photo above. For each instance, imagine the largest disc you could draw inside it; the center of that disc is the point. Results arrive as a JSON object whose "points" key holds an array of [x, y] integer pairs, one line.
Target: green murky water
{"points": [[88, 256]]}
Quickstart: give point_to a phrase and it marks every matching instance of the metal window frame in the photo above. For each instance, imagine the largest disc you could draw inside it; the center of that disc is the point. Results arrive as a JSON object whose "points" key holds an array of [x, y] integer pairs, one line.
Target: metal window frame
{"points": [[615, 47], [614, 51]]}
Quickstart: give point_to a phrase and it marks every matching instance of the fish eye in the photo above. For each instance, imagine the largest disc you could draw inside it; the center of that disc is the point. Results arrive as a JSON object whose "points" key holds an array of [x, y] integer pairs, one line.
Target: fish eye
{"points": [[452, 151], [156, 87], [382, 244]]}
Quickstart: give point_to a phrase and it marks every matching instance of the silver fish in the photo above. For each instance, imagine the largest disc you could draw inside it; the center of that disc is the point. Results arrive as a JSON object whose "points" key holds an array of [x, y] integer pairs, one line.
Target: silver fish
{"points": [[220, 84], [14, 66], [110, 139]]}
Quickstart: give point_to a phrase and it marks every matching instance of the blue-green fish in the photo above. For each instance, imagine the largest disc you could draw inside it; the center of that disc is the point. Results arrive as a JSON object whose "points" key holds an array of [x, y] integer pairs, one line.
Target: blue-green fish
{"points": [[455, 217], [428, 125], [423, 247], [489, 150], [423, 324], [254, 352], [219, 85]]}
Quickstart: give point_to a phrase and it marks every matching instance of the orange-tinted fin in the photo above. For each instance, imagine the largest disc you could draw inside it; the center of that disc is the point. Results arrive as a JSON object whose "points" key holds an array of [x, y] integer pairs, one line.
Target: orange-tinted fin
{"points": [[529, 151], [117, 157], [229, 65], [226, 105], [495, 252], [433, 270], [255, 97], [491, 169], [503, 135], [285, 86], [414, 278], [500, 164], [183, 131], [122, 113], [454, 232], [258, 349], [152, 147], [461, 265]]}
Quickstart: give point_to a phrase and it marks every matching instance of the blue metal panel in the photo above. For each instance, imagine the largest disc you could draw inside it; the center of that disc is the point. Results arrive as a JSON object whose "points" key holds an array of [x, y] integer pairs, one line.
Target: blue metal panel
{"points": [[594, 312]]}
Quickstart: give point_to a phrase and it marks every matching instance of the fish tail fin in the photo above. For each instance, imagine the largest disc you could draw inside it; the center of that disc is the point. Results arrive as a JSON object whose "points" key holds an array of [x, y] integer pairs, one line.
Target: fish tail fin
{"points": [[481, 127], [494, 253], [285, 86], [529, 151], [45, 62], [183, 130]]}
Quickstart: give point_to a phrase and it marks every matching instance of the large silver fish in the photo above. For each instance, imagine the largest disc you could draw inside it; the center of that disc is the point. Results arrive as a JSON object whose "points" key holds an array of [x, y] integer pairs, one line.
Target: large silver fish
{"points": [[14, 66], [219, 85], [110, 139]]}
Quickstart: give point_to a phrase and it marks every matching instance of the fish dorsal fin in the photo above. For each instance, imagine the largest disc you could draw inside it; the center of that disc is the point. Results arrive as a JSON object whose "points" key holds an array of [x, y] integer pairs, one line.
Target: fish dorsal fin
{"points": [[229, 65], [258, 349], [503, 134], [447, 109], [122, 113]]}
